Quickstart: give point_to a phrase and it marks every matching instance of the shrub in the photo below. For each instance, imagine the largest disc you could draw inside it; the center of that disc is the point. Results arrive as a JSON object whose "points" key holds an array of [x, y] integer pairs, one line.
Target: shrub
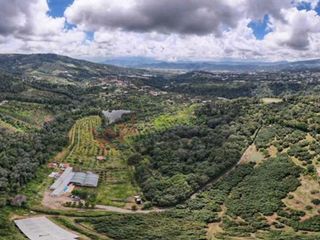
{"points": [[308, 207], [134, 208], [290, 196], [316, 201], [147, 205]]}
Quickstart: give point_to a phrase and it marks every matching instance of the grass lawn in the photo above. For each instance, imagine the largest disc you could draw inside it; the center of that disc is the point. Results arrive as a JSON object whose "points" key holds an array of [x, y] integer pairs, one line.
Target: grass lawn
{"points": [[115, 194], [35, 189]]}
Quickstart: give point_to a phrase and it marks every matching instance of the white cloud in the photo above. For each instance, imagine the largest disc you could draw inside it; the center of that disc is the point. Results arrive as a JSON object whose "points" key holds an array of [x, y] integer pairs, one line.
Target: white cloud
{"points": [[198, 17], [166, 29], [296, 31], [22, 18]]}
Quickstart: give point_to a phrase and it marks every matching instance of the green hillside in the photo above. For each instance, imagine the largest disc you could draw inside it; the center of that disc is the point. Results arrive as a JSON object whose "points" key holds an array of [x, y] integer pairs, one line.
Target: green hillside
{"points": [[237, 158]]}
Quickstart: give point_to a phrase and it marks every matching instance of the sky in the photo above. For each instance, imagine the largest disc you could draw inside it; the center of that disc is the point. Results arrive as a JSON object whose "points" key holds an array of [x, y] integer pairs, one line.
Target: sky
{"points": [[264, 30]]}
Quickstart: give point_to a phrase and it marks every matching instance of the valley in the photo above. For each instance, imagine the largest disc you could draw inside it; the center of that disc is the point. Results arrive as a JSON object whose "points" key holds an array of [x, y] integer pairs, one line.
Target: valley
{"points": [[194, 156]]}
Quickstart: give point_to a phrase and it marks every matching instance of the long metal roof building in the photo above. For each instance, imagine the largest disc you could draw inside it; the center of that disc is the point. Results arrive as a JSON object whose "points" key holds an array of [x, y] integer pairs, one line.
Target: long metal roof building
{"points": [[41, 228], [61, 179], [87, 179], [62, 182]]}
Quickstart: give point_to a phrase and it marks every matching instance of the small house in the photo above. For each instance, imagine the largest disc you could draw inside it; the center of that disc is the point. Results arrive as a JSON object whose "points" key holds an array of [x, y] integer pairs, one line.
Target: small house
{"points": [[138, 200]]}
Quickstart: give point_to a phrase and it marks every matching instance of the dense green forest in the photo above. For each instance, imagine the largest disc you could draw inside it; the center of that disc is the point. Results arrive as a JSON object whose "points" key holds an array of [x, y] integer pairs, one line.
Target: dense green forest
{"points": [[175, 163]]}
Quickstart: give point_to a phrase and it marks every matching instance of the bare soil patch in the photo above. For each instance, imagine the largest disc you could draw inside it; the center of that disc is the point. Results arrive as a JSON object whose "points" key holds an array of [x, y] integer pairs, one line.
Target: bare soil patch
{"points": [[303, 196]]}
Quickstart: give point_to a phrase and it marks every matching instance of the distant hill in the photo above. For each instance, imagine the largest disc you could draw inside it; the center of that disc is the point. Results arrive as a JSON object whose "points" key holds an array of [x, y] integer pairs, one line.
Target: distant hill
{"points": [[60, 69], [228, 66], [133, 62]]}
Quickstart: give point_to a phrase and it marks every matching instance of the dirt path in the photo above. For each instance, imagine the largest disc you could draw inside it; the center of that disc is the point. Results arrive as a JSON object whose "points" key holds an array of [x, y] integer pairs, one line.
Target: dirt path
{"points": [[215, 180], [225, 173], [57, 203], [3, 103], [123, 210]]}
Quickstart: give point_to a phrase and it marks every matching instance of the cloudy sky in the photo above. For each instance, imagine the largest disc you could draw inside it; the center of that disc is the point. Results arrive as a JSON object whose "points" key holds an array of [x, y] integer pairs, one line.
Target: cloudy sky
{"points": [[163, 29]]}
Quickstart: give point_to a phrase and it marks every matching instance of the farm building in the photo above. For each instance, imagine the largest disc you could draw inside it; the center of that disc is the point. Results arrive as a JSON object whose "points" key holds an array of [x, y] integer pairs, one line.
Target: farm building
{"points": [[41, 228], [87, 179], [60, 186]]}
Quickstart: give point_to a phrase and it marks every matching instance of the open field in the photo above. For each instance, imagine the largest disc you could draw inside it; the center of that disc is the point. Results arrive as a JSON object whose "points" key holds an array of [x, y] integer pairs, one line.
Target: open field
{"points": [[9, 127], [271, 100], [303, 196], [252, 155], [21, 117], [180, 116]]}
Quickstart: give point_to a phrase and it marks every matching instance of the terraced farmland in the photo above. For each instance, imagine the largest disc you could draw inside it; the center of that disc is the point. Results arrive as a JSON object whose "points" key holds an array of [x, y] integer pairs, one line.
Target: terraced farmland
{"points": [[116, 178], [83, 148]]}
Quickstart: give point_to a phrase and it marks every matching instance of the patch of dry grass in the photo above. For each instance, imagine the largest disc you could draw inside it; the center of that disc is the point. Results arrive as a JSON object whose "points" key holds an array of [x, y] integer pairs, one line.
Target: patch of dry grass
{"points": [[303, 196]]}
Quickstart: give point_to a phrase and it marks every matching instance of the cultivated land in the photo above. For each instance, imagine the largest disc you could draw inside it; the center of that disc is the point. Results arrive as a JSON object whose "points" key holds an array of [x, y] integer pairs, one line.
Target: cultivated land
{"points": [[116, 183], [212, 155]]}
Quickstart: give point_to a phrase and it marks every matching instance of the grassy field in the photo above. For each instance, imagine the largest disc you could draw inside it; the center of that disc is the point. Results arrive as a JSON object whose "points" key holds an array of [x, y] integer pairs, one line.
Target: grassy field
{"points": [[116, 181], [20, 117], [8, 127], [303, 196], [181, 116], [271, 100], [252, 155]]}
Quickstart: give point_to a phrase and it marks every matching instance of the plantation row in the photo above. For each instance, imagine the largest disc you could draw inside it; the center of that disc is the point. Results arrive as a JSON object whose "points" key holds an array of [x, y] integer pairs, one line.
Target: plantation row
{"points": [[83, 147], [115, 177]]}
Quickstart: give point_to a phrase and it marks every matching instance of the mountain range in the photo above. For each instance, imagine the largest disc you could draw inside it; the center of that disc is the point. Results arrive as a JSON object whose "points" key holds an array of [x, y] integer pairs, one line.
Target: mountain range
{"points": [[229, 66]]}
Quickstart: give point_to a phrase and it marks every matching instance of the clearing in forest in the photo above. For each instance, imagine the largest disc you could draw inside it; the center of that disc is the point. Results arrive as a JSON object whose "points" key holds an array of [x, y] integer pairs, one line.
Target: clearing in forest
{"points": [[21, 117], [303, 196], [252, 155], [271, 100], [182, 116]]}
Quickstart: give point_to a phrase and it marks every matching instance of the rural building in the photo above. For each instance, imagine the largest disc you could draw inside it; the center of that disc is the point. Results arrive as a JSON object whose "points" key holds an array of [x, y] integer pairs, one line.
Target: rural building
{"points": [[60, 186], [83, 179], [87, 179], [41, 228]]}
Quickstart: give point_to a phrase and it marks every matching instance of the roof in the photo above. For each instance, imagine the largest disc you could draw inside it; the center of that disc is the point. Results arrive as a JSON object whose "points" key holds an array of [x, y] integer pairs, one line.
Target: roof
{"points": [[91, 180], [79, 178], [41, 228], [61, 178], [62, 182], [87, 179]]}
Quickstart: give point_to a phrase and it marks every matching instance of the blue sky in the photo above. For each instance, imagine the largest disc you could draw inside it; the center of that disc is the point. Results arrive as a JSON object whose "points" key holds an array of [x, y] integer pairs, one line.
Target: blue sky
{"points": [[260, 27], [57, 7]]}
